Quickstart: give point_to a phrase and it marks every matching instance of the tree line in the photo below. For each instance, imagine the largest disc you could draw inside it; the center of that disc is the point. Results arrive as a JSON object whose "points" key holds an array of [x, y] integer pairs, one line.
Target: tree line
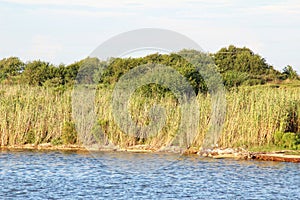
{"points": [[238, 66]]}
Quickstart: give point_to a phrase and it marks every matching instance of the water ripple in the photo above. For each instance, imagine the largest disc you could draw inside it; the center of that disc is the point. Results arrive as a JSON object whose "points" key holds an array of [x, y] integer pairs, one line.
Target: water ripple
{"points": [[61, 175]]}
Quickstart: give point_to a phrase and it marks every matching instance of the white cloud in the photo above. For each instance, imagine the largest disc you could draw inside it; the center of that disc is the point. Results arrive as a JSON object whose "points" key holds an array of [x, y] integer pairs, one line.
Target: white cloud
{"points": [[95, 3], [121, 3], [282, 8], [81, 13], [289, 7], [44, 47], [79, 24]]}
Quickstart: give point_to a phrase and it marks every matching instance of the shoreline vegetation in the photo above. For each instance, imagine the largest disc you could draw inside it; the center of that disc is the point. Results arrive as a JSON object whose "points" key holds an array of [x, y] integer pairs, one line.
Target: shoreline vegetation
{"points": [[262, 113]]}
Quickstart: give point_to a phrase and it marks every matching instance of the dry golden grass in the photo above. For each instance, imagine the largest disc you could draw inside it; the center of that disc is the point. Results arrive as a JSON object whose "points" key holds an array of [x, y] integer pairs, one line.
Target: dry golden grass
{"points": [[37, 115], [32, 114]]}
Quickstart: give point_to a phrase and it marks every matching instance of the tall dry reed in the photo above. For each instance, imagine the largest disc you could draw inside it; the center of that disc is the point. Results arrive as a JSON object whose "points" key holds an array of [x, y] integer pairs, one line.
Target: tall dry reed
{"points": [[254, 114]]}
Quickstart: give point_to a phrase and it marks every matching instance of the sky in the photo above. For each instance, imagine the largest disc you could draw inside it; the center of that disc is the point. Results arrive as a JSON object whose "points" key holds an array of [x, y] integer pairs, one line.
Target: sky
{"points": [[61, 31]]}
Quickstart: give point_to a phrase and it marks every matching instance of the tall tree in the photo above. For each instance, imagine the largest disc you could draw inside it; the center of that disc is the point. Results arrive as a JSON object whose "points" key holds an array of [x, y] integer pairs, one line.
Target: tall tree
{"points": [[37, 72], [9, 67], [290, 72]]}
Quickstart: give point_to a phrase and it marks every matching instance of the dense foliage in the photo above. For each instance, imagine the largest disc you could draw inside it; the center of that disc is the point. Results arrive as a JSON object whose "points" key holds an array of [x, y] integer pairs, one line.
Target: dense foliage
{"points": [[241, 66], [256, 116], [238, 66]]}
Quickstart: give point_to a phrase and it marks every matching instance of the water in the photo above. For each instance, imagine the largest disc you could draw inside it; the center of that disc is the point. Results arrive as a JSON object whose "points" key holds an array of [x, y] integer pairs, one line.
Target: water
{"points": [[70, 175]]}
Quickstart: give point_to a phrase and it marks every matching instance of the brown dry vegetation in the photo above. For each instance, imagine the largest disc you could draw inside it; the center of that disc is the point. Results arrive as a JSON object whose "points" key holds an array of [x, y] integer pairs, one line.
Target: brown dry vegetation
{"points": [[256, 116]]}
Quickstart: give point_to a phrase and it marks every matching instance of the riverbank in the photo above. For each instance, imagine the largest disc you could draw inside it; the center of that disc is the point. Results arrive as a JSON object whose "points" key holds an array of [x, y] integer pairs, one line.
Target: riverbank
{"points": [[240, 153], [217, 153], [45, 146]]}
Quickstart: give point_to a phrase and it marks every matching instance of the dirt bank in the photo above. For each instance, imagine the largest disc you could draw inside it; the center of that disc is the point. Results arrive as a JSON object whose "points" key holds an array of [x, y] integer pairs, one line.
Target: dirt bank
{"points": [[217, 153]]}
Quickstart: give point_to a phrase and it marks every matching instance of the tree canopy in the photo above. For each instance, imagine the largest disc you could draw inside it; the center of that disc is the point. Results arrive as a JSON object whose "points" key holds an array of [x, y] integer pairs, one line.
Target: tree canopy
{"points": [[238, 66], [242, 66], [10, 67], [290, 73]]}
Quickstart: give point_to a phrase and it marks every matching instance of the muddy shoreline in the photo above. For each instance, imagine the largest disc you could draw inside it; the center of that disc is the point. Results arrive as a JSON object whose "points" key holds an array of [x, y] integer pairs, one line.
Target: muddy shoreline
{"points": [[216, 153]]}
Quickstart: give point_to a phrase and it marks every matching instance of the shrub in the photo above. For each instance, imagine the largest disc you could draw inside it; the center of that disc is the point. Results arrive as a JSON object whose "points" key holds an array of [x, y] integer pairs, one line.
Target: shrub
{"points": [[69, 134], [287, 140], [30, 138], [278, 138], [56, 141]]}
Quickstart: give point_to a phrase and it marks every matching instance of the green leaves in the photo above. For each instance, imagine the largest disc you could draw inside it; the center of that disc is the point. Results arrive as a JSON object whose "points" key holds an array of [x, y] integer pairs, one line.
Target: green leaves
{"points": [[238, 66], [37, 72], [241, 66], [287, 140], [290, 73], [10, 67], [117, 67]]}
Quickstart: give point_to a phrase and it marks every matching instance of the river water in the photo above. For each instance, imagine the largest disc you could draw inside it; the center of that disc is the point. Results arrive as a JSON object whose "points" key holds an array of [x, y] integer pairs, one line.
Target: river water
{"points": [[121, 175]]}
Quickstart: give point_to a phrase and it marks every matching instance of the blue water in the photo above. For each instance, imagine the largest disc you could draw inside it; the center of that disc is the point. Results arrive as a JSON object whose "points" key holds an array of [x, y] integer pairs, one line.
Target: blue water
{"points": [[116, 175]]}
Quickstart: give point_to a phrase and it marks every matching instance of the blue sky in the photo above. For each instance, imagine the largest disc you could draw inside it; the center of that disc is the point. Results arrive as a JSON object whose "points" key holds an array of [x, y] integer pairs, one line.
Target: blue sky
{"points": [[61, 31]]}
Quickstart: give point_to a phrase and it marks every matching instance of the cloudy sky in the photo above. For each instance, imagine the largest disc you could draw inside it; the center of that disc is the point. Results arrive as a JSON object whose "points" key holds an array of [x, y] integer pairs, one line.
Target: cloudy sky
{"points": [[62, 31]]}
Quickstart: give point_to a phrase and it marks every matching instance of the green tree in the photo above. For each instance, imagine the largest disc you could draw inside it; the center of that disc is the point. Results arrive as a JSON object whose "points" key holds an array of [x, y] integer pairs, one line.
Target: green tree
{"points": [[69, 73], [240, 59], [242, 66], [37, 72], [117, 67], [10, 67], [290, 73]]}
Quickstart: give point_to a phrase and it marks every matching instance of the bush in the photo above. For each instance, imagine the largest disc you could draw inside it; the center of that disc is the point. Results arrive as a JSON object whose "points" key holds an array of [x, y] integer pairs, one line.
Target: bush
{"points": [[278, 138], [69, 134], [30, 138], [287, 140], [56, 141]]}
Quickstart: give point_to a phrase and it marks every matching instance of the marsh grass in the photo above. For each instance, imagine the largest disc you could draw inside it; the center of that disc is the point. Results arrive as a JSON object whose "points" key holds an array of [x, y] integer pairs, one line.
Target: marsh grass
{"points": [[254, 114], [32, 114]]}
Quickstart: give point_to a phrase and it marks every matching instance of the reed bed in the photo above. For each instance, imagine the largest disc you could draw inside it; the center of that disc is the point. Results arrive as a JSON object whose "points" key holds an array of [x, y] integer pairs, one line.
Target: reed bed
{"points": [[255, 114], [34, 115]]}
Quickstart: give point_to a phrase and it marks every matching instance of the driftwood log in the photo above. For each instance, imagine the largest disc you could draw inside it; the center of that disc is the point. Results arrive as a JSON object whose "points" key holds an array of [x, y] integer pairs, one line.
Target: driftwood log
{"points": [[277, 157]]}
